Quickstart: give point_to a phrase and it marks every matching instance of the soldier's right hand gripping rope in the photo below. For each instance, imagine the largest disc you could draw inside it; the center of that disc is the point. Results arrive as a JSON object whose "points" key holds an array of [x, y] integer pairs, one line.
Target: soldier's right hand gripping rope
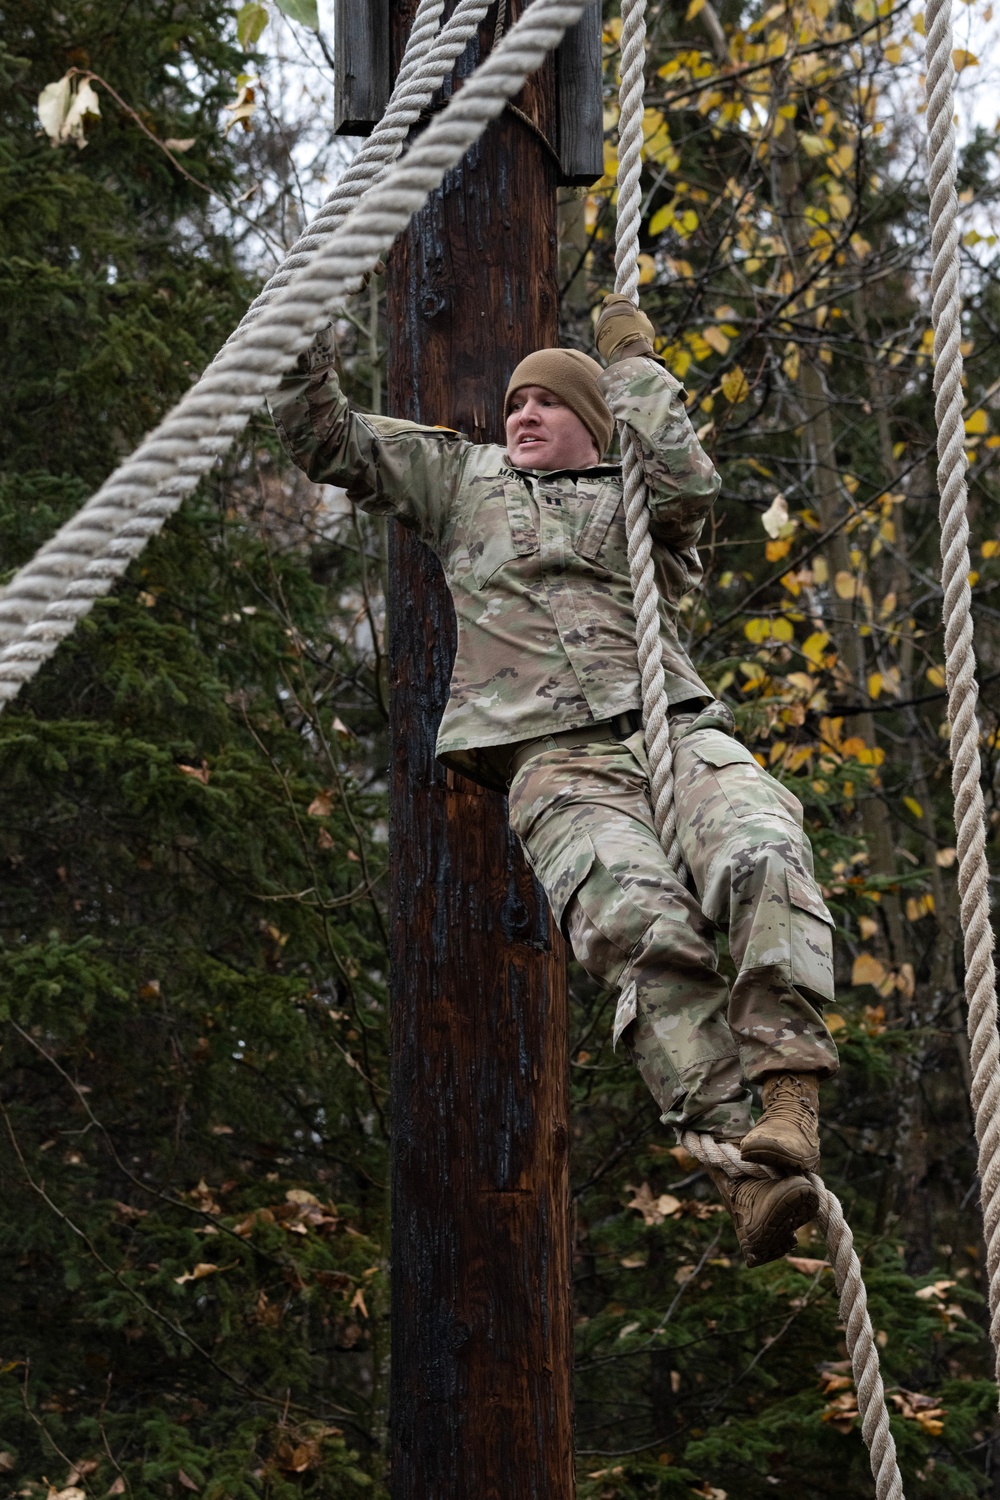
{"points": [[622, 331]]}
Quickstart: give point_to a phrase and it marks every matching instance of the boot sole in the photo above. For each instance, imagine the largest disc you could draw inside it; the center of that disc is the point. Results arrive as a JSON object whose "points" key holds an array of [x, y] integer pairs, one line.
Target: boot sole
{"points": [[796, 1206], [772, 1156]]}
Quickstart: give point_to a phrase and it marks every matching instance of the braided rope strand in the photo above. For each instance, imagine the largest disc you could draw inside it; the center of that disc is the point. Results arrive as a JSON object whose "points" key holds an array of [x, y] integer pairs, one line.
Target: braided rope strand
{"points": [[167, 465], [960, 661], [640, 547], [861, 1345], [847, 1268], [426, 62]]}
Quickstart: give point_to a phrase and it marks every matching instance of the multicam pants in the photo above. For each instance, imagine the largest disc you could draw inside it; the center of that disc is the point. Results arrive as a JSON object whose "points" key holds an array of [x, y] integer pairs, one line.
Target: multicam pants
{"points": [[583, 816]]}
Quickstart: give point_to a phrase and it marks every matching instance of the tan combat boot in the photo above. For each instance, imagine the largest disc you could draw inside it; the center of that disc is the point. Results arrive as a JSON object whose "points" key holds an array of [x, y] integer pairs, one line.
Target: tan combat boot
{"points": [[766, 1212], [786, 1136]]}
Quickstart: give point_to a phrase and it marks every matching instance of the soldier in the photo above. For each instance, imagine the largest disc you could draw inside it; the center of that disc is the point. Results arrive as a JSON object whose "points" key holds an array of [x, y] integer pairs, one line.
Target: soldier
{"points": [[545, 703]]}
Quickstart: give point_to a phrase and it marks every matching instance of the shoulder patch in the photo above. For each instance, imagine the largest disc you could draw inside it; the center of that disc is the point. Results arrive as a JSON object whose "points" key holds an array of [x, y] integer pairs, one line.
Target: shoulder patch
{"points": [[387, 427]]}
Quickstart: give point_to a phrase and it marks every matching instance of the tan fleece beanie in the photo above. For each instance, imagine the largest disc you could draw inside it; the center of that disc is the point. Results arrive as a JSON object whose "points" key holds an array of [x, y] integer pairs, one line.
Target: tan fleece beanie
{"points": [[572, 377]]}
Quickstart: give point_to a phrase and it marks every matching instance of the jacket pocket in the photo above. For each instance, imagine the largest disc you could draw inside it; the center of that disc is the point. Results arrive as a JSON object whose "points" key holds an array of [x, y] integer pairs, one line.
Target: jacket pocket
{"points": [[501, 527], [602, 535]]}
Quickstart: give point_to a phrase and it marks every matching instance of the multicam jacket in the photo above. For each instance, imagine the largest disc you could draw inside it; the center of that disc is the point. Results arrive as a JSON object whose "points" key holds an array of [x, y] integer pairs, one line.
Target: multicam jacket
{"points": [[536, 562]]}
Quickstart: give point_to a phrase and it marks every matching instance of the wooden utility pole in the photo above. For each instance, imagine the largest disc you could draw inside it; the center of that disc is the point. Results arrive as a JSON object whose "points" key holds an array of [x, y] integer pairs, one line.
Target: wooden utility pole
{"points": [[481, 1404]]}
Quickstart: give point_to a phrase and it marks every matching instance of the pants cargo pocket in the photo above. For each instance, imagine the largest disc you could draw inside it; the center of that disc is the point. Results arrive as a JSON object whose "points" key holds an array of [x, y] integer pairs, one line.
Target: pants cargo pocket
{"points": [[561, 870], [811, 938], [742, 788], [603, 924]]}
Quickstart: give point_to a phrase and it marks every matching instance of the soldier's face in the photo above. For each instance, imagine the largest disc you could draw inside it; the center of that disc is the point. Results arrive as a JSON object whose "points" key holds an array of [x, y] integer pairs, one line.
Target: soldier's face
{"points": [[543, 433]]}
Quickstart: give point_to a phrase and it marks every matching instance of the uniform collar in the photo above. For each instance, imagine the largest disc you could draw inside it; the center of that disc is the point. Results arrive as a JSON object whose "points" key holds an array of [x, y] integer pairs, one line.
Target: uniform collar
{"points": [[599, 470]]}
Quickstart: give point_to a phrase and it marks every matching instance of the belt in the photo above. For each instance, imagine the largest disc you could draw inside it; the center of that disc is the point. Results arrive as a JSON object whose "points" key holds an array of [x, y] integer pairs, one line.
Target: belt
{"points": [[617, 729]]}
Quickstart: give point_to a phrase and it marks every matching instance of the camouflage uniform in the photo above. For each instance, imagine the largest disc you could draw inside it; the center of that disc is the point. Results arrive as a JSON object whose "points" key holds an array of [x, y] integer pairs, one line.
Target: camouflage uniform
{"points": [[583, 816], [538, 571], [536, 563]]}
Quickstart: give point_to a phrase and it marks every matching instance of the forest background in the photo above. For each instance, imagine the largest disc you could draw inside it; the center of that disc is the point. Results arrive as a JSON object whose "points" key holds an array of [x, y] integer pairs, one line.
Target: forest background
{"points": [[193, 838]]}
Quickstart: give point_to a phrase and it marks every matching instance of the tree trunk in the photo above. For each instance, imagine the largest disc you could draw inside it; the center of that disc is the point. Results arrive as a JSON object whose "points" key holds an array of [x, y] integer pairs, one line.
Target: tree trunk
{"points": [[481, 1308]]}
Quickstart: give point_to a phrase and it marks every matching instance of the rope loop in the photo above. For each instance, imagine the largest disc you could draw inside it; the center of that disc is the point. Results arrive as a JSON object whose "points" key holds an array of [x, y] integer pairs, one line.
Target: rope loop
{"points": [[861, 1343]]}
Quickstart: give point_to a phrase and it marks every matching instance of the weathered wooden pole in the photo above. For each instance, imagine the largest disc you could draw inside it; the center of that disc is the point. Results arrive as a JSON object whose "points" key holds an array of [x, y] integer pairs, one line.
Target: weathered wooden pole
{"points": [[481, 1403]]}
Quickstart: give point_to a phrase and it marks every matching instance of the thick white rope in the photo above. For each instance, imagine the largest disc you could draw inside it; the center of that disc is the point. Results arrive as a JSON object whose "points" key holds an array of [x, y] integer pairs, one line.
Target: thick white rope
{"points": [[960, 661], [132, 505], [640, 546], [847, 1268], [861, 1344], [426, 62]]}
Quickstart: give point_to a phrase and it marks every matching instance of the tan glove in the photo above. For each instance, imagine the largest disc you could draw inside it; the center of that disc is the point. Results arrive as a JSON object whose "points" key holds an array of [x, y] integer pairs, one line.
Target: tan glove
{"points": [[622, 330]]}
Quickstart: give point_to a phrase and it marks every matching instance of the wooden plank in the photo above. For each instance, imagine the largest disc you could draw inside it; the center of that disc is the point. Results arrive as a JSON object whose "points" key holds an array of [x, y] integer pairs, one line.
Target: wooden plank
{"points": [[481, 1302], [581, 101], [361, 65]]}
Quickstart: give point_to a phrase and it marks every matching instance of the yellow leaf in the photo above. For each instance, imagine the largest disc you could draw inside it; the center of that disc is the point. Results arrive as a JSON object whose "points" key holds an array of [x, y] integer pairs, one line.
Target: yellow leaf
{"points": [[203, 1268], [945, 858], [821, 573], [681, 363], [834, 1022], [814, 646], [977, 422], [647, 269], [991, 549], [662, 219], [919, 24], [735, 386], [782, 629], [812, 145], [776, 550], [874, 684], [790, 363], [775, 518], [757, 630], [935, 676], [716, 339], [694, 9], [845, 585], [867, 969], [893, 53], [963, 59], [868, 927], [914, 806]]}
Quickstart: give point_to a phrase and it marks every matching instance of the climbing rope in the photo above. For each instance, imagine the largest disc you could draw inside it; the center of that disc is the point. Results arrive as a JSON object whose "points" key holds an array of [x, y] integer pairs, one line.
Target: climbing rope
{"points": [[426, 63], [960, 661], [847, 1268], [375, 201], [640, 546], [81, 562], [861, 1344]]}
